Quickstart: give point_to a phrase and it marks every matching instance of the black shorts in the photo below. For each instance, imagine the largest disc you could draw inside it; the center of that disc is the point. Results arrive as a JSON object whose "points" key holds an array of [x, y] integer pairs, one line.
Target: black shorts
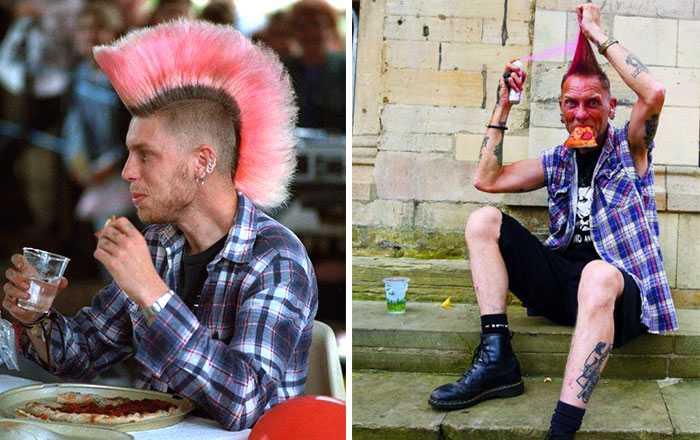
{"points": [[547, 282]]}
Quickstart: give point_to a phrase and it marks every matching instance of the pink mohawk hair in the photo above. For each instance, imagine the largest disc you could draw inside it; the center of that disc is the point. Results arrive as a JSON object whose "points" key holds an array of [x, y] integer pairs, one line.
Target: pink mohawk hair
{"points": [[181, 60]]}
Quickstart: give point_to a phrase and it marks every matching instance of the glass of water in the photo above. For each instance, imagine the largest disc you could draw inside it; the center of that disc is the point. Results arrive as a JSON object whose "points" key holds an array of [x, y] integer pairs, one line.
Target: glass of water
{"points": [[44, 271]]}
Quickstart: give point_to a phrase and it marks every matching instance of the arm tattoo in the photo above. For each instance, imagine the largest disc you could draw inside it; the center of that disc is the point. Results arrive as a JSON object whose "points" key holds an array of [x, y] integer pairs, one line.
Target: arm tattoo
{"points": [[498, 152], [635, 62], [483, 145], [650, 125], [591, 370]]}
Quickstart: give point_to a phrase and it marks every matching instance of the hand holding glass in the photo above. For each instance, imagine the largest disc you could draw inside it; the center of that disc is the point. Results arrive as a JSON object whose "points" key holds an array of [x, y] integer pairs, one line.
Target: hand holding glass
{"points": [[44, 271]]}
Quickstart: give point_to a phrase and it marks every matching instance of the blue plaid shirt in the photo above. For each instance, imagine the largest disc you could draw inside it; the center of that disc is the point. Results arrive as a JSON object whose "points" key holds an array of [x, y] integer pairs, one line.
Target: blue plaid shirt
{"points": [[243, 350], [624, 221]]}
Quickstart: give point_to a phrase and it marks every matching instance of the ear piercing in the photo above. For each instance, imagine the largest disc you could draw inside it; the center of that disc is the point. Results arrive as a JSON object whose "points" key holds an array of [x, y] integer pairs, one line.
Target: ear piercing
{"points": [[210, 169]]}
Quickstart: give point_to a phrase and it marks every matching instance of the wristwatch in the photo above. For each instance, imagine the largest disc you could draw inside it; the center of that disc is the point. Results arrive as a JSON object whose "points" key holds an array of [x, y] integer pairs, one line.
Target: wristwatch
{"points": [[158, 305]]}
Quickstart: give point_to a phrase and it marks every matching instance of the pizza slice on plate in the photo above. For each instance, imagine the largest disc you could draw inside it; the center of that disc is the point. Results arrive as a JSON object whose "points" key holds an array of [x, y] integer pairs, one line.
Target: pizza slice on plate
{"points": [[581, 137]]}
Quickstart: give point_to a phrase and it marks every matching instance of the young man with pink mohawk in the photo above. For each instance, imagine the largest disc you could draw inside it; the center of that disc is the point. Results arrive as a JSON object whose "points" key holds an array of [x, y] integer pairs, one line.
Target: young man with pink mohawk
{"points": [[215, 300]]}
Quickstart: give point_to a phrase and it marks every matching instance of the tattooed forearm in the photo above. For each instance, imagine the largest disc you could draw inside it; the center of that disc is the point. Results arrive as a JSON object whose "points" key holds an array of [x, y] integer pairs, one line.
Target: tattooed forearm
{"points": [[635, 62], [483, 145], [591, 370], [498, 152], [650, 126]]}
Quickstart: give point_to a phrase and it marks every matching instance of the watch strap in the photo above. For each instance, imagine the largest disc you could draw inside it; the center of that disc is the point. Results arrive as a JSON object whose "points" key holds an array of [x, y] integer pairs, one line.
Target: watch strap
{"points": [[158, 305]]}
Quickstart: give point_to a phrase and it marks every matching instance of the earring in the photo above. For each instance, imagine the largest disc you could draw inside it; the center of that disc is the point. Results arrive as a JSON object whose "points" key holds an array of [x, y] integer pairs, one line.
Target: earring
{"points": [[200, 180], [211, 165], [561, 118]]}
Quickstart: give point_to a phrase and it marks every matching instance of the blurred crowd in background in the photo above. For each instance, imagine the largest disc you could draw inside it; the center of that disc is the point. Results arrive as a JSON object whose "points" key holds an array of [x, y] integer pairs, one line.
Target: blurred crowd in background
{"points": [[62, 126]]}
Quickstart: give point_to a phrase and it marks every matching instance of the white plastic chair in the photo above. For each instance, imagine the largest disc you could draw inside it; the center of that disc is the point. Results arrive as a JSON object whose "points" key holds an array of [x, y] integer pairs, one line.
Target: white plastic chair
{"points": [[325, 377]]}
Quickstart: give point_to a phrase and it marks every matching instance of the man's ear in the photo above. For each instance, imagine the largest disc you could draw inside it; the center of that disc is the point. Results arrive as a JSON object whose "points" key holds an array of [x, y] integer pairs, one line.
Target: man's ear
{"points": [[613, 105], [205, 154]]}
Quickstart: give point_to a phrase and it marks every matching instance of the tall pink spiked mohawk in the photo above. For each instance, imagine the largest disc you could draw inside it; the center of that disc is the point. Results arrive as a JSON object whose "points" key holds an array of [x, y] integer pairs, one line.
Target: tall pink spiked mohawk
{"points": [[182, 60]]}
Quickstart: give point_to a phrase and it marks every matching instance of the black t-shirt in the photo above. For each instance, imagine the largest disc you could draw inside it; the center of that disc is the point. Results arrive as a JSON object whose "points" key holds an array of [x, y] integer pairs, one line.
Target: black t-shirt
{"points": [[193, 272], [581, 246]]}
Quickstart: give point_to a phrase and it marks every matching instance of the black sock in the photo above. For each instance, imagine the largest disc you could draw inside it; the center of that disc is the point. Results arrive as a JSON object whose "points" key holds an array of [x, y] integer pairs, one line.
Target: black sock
{"points": [[566, 418], [497, 323]]}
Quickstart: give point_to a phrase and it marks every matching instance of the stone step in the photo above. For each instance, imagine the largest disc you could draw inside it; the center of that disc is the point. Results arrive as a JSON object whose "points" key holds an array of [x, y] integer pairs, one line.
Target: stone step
{"points": [[394, 406], [433, 280], [431, 339]]}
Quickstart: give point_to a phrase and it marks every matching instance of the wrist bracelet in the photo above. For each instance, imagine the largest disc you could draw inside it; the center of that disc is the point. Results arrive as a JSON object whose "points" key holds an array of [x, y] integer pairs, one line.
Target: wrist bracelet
{"points": [[498, 127], [609, 42], [37, 321]]}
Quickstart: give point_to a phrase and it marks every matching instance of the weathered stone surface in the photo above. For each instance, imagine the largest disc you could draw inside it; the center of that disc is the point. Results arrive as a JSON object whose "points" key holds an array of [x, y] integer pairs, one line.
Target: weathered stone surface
{"points": [[462, 56], [542, 139], [417, 142], [550, 30], [425, 87], [411, 55], [386, 213], [684, 366], [517, 9], [435, 120], [668, 238], [681, 399], [653, 40], [368, 93], [411, 176], [518, 32], [682, 85], [407, 243], [686, 297], [688, 275], [688, 51], [468, 146], [421, 28], [677, 136], [444, 216], [683, 189], [379, 412]]}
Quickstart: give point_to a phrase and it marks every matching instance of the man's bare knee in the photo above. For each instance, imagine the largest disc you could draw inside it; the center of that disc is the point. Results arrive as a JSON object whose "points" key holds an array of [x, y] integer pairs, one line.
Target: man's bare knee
{"points": [[601, 284], [483, 224]]}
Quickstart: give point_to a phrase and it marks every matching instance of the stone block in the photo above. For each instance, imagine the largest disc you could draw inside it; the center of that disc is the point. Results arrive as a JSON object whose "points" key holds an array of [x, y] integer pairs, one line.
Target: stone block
{"points": [[517, 9], [545, 114], [688, 49], [542, 139], [688, 251], [655, 8], [467, 147], [461, 56], [686, 297], [625, 96], [550, 30], [518, 32], [421, 28], [653, 40], [683, 186], [545, 81], [682, 85], [681, 400], [387, 213], [444, 216], [412, 176], [427, 87], [418, 142], [368, 96], [668, 238], [398, 118], [362, 182], [684, 366], [677, 136], [412, 243], [411, 54]]}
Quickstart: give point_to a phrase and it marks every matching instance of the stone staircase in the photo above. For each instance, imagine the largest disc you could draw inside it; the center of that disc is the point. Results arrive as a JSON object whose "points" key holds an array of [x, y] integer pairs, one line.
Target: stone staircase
{"points": [[650, 388]]}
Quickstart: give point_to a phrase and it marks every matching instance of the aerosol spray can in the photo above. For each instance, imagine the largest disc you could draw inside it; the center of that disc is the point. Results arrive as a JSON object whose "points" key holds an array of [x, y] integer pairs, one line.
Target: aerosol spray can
{"points": [[514, 96]]}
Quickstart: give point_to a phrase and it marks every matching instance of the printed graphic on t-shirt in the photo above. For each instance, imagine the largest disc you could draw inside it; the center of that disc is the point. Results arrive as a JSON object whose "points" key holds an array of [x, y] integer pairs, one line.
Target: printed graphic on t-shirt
{"points": [[582, 232]]}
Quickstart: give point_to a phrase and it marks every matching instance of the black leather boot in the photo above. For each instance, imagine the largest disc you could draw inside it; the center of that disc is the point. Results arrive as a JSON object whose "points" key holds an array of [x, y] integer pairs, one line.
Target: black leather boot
{"points": [[495, 372], [551, 436]]}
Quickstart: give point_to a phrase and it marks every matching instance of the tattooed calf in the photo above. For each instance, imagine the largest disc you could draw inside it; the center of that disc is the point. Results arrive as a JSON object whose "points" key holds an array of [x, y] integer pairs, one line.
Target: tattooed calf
{"points": [[591, 370]]}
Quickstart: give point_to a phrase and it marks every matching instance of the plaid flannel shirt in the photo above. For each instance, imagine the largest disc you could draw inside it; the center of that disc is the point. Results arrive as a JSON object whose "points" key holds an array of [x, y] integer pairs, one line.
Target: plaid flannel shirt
{"points": [[624, 221], [243, 350]]}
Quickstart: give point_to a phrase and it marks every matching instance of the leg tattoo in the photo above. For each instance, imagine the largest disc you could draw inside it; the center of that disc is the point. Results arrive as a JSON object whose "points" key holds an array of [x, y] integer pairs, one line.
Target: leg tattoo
{"points": [[591, 370]]}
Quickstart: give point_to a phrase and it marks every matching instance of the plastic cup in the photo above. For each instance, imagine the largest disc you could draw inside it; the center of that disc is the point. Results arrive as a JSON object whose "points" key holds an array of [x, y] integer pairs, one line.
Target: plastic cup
{"points": [[44, 271], [395, 288]]}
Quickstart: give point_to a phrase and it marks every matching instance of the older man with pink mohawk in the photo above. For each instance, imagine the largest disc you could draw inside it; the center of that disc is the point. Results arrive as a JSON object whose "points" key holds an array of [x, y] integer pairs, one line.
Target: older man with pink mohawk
{"points": [[214, 299]]}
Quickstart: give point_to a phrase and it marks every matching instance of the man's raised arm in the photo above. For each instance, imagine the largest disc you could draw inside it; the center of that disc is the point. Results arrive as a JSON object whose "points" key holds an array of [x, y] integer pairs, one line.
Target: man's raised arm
{"points": [[491, 175], [645, 113]]}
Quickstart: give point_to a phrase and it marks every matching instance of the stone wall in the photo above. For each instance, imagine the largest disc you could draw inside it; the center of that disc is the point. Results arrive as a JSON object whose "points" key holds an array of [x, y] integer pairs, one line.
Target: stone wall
{"points": [[425, 87]]}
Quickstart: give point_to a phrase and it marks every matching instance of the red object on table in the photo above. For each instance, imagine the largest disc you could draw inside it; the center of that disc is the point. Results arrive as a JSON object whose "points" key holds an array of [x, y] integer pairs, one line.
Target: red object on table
{"points": [[303, 418]]}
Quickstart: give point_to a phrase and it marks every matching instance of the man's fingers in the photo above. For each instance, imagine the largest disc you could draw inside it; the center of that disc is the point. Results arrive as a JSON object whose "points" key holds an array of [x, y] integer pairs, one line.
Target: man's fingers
{"points": [[17, 279], [63, 283]]}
